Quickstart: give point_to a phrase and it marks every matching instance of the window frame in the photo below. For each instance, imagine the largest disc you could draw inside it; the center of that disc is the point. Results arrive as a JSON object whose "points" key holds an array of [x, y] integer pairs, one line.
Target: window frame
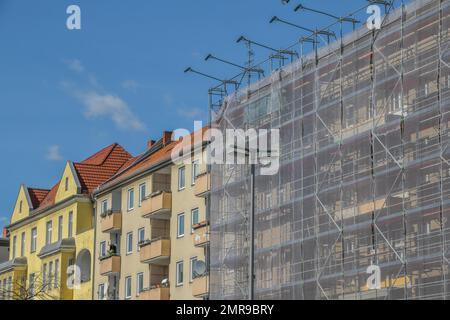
{"points": [[181, 187], [191, 268], [70, 225], [194, 172], [142, 189], [104, 206], [139, 240], [56, 278], [102, 249], [139, 289], [129, 243], [192, 218], [22, 244], [129, 198], [180, 235], [179, 266], [60, 227], [48, 232], [101, 292], [128, 283], [33, 242]]}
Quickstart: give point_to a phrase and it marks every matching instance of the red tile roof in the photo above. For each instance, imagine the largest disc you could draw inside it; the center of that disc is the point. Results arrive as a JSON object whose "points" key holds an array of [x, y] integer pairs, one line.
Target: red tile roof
{"points": [[147, 160], [91, 172], [37, 196]]}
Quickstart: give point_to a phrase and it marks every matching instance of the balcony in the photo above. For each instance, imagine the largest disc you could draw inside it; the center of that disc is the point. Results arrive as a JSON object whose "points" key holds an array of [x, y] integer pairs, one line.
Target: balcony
{"points": [[201, 234], [158, 206], [200, 287], [203, 184], [156, 252], [111, 221], [155, 294], [110, 265]]}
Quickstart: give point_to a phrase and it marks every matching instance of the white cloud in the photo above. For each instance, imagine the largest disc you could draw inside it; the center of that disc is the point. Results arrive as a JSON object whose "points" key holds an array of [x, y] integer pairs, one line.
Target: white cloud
{"points": [[75, 65], [110, 106], [53, 153], [189, 113]]}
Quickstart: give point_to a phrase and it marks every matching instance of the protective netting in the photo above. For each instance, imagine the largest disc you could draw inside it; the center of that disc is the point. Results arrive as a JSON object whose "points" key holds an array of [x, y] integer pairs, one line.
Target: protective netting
{"points": [[364, 170]]}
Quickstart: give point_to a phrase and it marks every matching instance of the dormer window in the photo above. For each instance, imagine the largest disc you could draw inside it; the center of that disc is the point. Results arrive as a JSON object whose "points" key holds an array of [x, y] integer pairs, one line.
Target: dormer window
{"points": [[66, 186]]}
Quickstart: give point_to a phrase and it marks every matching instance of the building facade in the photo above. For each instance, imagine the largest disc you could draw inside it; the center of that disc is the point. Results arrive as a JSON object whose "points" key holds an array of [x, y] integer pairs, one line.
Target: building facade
{"points": [[144, 227], [363, 189], [52, 233]]}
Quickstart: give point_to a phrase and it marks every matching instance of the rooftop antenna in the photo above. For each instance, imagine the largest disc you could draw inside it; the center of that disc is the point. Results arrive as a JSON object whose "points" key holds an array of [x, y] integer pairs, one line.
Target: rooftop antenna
{"points": [[279, 54], [341, 20], [245, 69], [326, 33]]}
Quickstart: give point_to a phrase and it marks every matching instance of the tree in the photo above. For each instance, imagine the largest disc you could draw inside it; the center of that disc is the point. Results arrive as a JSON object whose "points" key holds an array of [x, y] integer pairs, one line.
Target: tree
{"points": [[39, 289]]}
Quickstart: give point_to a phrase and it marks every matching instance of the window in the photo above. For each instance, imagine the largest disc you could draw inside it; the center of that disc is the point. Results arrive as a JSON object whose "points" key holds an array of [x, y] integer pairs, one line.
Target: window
{"points": [[142, 193], [130, 201], [70, 227], [9, 287], [101, 292], [104, 206], [129, 242], [14, 247], [192, 268], [139, 283], [5, 289], [48, 232], [102, 248], [181, 178], [194, 218], [31, 285], [66, 185], [33, 240], [141, 237], [44, 278], [20, 206], [180, 225], [127, 287], [179, 273], [60, 226], [56, 273], [195, 167], [22, 245], [50, 274]]}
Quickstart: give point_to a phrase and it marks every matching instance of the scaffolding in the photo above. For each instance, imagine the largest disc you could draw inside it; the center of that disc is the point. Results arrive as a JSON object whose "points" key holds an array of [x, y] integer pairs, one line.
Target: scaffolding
{"points": [[364, 173]]}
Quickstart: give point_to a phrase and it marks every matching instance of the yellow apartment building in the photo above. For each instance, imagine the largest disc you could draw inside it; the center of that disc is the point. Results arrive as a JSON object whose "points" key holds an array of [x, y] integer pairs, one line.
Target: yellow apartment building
{"points": [[145, 221], [52, 232]]}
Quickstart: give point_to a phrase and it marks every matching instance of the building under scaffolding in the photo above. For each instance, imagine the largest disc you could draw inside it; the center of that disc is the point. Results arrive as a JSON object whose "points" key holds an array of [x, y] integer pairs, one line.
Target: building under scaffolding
{"points": [[364, 173]]}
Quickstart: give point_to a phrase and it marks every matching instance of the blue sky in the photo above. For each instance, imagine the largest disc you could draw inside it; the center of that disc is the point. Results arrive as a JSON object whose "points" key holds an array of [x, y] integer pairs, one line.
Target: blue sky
{"points": [[66, 94]]}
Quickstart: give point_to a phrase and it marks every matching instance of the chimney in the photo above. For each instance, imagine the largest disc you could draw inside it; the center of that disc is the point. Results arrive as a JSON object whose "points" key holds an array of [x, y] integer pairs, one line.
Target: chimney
{"points": [[150, 144], [5, 233], [167, 137]]}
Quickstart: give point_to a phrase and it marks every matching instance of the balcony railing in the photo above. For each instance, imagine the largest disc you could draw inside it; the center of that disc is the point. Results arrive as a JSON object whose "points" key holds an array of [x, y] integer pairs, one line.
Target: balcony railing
{"points": [[156, 293], [203, 184], [155, 251], [201, 234], [158, 206], [200, 286], [110, 264], [111, 221]]}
